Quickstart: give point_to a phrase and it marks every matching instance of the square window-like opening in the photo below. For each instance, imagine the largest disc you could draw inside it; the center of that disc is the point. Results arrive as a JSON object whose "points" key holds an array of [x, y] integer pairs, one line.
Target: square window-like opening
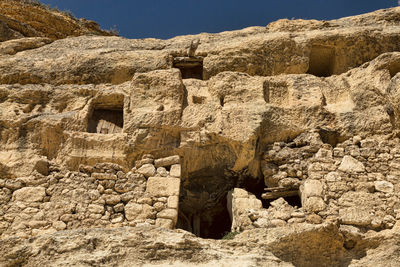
{"points": [[322, 61], [106, 121], [190, 67]]}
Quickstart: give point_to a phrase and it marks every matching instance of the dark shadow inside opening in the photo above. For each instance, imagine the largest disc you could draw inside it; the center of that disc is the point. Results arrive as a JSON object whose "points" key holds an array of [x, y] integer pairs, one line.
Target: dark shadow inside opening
{"points": [[203, 207], [191, 68], [106, 121], [322, 61]]}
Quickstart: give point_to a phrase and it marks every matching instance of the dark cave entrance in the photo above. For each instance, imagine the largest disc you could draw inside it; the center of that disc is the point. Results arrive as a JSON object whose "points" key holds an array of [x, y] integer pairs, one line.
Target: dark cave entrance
{"points": [[322, 61], [106, 121], [190, 67], [203, 207]]}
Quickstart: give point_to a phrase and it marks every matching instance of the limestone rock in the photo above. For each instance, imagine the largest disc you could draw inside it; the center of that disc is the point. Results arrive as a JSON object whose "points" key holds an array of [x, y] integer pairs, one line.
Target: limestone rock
{"points": [[31, 18], [167, 161], [384, 186], [160, 186], [350, 164], [147, 170], [175, 170], [355, 216], [30, 194], [135, 211]]}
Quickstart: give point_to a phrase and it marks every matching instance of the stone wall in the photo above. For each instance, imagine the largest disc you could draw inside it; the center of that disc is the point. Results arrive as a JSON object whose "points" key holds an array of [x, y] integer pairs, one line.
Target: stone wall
{"points": [[103, 195], [353, 183]]}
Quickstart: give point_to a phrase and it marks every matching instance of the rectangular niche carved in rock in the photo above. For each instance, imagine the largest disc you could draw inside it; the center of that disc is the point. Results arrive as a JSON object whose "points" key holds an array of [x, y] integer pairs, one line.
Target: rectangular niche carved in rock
{"points": [[322, 61], [190, 67], [106, 121]]}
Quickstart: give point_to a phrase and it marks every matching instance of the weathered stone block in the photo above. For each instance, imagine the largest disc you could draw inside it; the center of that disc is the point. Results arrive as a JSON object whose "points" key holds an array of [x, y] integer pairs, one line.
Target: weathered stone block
{"points": [[165, 223], [97, 209], [104, 176], [173, 202], [240, 193], [134, 211], [355, 216], [30, 194], [314, 204], [140, 163], [350, 164], [167, 161], [162, 171], [241, 204], [59, 225], [384, 186], [175, 170], [169, 214], [160, 186], [112, 199], [147, 170], [311, 188]]}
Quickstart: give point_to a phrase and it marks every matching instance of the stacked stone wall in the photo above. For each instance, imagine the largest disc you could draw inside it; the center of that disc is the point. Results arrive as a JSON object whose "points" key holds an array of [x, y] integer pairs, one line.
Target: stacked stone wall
{"points": [[104, 195], [355, 183]]}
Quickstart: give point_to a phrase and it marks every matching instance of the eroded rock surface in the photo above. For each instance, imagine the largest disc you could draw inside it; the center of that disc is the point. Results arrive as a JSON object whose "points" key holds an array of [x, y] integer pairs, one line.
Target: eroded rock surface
{"points": [[285, 136]]}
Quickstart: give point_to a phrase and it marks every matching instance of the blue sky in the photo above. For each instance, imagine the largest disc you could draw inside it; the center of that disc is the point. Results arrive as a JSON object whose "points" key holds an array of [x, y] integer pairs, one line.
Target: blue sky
{"points": [[168, 18]]}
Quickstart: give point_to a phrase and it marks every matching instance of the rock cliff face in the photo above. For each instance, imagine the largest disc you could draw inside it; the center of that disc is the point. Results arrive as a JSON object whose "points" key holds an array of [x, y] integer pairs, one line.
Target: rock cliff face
{"points": [[287, 136], [30, 18]]}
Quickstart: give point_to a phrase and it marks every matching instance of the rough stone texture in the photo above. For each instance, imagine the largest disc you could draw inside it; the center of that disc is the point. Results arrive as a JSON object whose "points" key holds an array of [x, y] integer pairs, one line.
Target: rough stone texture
{"points": [[160, 186], [24, 18], [307, 111], [30, 194], [350, 164]]}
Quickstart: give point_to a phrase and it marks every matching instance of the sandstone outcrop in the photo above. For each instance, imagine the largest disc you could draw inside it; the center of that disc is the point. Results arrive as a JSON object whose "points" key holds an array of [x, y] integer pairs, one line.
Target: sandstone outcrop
{"points": [[285, 136], [30, 18]]}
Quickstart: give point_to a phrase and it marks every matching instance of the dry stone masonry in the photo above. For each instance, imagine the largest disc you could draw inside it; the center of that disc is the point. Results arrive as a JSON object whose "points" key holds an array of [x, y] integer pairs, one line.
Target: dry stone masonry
{"points": [[103, 195], [266, 146]]}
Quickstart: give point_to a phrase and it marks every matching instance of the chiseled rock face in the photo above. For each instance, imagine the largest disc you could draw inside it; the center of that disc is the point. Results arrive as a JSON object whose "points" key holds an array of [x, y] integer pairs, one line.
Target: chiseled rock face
{"points": [[111, 133]]}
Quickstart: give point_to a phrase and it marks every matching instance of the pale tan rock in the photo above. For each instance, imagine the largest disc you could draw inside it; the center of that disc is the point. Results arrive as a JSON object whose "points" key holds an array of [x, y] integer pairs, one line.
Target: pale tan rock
{"points": [[173, 202], [162, 171], [164, 223], [160, 186], [350, 164], [104, 176], [314, 219], [59, 225], [30, 194], [355, 216], [311, 188], [147, 170], [384, 186], [94, 208], [314, 204], [167, 161], [175, 170], [240, 193], [112, 199], [135, 211], [169, 214]]}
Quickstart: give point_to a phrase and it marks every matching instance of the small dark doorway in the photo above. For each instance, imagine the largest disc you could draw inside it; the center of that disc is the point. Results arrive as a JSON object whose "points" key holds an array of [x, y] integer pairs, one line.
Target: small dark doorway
{"points": [[190, 67], [106, 121], [203, 207], [322, 61]]}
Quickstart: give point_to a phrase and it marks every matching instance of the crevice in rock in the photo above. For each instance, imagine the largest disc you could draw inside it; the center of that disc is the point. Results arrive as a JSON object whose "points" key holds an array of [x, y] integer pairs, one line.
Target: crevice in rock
{"points": [[331, 137], [221, 100], [190, 67], [394, 68], [322, 61]]}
